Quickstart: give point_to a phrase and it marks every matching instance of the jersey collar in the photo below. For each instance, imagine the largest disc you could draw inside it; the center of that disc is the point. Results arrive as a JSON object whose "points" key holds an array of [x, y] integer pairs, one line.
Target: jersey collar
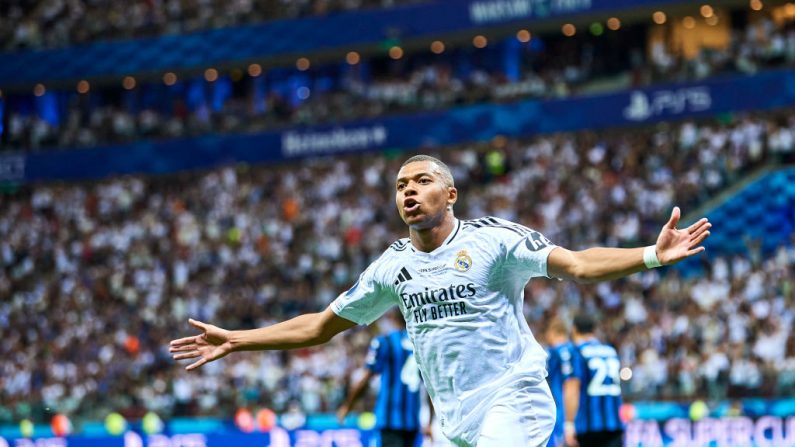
{"points": [[450, 237], [453, 233]]}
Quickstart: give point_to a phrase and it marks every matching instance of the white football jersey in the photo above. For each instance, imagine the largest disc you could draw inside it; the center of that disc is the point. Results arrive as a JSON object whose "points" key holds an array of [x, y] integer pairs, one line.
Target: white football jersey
{"points": [[462, 304]]}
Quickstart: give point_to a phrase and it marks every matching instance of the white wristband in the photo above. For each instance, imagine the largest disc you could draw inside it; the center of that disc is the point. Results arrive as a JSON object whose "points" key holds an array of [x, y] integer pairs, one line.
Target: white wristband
{"points": [[650, 257]]}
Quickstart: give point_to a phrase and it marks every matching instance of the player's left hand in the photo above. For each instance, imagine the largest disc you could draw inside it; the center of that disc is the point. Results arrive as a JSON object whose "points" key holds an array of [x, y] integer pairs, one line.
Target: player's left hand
{"points": [[674, 244]]}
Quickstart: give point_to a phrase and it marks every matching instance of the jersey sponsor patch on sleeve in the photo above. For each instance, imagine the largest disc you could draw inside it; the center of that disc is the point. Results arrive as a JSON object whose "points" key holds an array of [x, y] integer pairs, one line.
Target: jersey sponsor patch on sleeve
{"points": [[535, 241]]}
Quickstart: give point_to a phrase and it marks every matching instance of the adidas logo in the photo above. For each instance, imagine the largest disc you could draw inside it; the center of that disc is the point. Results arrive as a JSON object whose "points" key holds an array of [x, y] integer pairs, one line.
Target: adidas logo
{"points": [[403, 276]]}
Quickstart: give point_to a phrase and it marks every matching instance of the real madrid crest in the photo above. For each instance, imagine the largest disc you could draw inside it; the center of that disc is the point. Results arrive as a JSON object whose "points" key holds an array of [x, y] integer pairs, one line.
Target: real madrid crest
{"points": [[462, 261]]}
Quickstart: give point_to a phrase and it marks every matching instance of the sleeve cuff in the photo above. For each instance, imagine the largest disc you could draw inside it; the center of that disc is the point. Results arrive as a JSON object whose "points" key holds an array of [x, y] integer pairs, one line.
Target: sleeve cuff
{"points": [[340, 312], [546, 260]]}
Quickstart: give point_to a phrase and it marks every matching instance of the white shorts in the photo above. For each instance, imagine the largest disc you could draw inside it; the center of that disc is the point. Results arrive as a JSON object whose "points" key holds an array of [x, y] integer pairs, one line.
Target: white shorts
{"points": [[526, 420]]}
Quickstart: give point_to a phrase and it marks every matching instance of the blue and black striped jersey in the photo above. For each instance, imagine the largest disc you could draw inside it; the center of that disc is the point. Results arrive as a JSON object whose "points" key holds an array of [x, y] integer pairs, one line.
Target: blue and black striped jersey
{"points": [[597, 366], [398, 404]]}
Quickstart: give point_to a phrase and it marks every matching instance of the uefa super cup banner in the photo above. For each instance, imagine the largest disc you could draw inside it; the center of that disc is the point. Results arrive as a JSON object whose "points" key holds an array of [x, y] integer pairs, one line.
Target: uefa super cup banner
{"points": [[431, 129], [765, 431]]}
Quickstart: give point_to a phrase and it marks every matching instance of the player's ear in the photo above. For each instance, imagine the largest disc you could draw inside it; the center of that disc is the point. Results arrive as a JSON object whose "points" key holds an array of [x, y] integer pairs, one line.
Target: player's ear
{"points": [[452, 195]]}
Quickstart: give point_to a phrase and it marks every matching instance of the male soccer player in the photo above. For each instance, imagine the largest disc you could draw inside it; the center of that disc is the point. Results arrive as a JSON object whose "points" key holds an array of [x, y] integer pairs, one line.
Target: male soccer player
{"points": [[559, 370], [593, 394], [397, 410], [460, 287]]}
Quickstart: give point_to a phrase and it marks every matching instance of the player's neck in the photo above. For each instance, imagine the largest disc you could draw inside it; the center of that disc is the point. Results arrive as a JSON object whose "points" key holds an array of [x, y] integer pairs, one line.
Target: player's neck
{"points": [[429, 239]]}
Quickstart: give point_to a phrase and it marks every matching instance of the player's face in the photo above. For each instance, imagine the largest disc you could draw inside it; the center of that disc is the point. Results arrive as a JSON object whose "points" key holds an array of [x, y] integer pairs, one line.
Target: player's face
{"points": [[552, 337], [422, 196]]}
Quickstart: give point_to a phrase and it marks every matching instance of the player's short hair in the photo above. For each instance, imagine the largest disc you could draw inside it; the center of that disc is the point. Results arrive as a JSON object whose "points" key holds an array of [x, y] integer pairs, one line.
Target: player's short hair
{"points": [[444, 170], [557, 326], [584, 323]]}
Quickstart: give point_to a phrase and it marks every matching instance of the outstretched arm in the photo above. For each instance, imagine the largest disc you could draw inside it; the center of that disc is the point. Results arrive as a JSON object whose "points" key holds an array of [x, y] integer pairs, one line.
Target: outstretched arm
{"points": [[353, 396], [601, 264], [301, 331]]}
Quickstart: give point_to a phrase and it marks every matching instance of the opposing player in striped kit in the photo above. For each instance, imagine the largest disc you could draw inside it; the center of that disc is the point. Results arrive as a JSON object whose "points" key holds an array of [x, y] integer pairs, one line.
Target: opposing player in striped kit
{"points": [[397, 409], [592, 391], [560, 353]]}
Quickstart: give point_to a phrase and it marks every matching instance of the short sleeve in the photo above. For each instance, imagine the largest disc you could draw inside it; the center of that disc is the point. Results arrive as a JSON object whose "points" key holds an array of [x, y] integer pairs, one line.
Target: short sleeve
{"points": [[526, 250], [366, 300], [376, 354]]}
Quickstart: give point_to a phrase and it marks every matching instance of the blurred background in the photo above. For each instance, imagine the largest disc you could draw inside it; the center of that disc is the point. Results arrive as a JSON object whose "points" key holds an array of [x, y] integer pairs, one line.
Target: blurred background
{"points": [[233, 161]]}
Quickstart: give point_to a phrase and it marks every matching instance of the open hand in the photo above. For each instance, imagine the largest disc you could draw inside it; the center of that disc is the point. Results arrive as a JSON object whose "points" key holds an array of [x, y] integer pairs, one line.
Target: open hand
{"points": [[673, 244], [212, 344]]}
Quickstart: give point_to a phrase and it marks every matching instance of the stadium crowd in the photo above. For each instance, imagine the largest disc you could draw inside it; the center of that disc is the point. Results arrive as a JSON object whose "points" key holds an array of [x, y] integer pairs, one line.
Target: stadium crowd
{"points": [[26, 24], [420, 82], [98, 277]]}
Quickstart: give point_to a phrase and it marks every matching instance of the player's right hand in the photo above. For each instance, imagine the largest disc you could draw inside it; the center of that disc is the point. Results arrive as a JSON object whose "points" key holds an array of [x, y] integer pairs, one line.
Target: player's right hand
{"points": [[212, 344]]}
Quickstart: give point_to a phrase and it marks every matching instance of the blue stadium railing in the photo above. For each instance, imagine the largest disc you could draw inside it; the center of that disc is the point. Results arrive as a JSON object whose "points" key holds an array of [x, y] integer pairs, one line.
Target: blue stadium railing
{"points": [[298, 37]]}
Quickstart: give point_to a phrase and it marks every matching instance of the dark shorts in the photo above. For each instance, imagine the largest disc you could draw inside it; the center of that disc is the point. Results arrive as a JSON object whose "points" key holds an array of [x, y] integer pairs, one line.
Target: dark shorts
{"points": [[399, 438], [601, 439]]}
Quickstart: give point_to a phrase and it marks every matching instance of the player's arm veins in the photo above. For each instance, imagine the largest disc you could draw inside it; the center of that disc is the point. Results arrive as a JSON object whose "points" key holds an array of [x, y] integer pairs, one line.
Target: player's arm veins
{"points": [[594, 264], [301, 331]]}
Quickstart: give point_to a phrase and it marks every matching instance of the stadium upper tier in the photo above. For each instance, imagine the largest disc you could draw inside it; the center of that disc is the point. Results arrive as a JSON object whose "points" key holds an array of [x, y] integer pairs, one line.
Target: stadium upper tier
{"points": [[26, 25], [272, 43], [98, 275], [549, 66]]}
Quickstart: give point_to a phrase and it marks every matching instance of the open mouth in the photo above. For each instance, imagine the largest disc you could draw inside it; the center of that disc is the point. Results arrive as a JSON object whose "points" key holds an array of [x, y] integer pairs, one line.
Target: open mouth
{"points": [[410, 205]]}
